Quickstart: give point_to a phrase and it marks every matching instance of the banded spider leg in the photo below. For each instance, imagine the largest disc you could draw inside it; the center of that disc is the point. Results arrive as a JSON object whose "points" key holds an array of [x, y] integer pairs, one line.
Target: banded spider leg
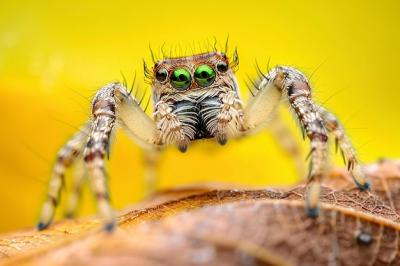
{"points": [[112, 103], [315, 122]]}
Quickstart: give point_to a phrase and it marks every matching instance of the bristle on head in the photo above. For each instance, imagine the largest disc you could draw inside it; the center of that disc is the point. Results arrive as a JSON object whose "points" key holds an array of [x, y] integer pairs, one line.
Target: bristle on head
{"points": [[196, 48]]}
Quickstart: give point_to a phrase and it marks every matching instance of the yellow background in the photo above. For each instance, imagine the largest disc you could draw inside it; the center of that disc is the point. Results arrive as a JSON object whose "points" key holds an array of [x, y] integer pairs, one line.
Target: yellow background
{"points": [[54, 55]]}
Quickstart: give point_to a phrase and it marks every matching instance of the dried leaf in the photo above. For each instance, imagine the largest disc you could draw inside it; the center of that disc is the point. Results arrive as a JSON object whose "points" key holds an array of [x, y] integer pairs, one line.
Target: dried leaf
{"points": [[232, 227]]}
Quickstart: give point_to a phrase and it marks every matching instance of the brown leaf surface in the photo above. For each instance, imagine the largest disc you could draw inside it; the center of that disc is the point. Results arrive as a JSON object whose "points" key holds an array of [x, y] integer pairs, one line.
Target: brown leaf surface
{"points": [[219, 226]]}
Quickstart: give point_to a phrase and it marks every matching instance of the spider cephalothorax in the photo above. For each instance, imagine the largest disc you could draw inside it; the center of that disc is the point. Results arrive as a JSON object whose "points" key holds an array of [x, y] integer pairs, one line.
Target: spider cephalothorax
{"points": [[198, 97]]}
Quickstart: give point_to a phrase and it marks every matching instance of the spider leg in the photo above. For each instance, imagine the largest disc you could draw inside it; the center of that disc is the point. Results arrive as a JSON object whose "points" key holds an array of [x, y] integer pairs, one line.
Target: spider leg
{"points": [[111, 103], [291, 83], [65, 158], [262, 107], [75, 196], [96, 148], [342, 141]]}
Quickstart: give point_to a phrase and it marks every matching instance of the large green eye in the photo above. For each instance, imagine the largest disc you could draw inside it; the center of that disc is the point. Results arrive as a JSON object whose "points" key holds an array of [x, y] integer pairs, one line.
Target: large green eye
{"points": [[204, 75], [181, 79]]}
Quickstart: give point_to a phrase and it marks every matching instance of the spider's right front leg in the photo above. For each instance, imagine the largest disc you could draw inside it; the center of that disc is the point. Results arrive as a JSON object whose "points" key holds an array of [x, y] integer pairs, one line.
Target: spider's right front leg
{"points": [[111, 103]]}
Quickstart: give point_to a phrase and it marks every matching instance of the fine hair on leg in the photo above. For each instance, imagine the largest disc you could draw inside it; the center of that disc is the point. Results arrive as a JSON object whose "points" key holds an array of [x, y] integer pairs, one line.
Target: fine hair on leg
{"points": [[65, 158], [112, 103], [315, 122]]}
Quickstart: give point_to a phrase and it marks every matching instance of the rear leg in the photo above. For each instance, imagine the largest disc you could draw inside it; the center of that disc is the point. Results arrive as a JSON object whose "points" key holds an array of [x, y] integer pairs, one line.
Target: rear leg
{"points": [[65, 158], [75, 195], [111, 103], [342, 142]]}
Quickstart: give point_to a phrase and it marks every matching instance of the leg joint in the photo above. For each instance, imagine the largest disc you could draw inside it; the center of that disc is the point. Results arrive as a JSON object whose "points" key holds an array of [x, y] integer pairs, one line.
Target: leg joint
{"points": [[104, 107], [318, 136], [91, 155]]}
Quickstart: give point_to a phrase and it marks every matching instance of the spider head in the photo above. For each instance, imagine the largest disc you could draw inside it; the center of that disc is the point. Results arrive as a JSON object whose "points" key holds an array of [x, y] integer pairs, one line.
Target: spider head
{"points": [[191, 75], [190, 88]]}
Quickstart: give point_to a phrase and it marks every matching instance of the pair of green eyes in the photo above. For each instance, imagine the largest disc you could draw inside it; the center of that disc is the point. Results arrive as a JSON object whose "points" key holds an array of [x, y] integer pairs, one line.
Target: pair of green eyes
{"points": [[204, 76], [181, 78]]}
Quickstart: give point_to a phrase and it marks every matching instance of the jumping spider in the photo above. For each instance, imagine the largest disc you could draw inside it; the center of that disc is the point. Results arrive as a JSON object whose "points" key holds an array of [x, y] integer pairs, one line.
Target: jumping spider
{"points": [[197, 97]]}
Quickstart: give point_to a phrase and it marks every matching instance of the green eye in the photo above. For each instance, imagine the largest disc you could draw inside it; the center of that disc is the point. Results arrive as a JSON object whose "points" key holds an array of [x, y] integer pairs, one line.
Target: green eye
{"points": [[181, 79], [204, 75]]}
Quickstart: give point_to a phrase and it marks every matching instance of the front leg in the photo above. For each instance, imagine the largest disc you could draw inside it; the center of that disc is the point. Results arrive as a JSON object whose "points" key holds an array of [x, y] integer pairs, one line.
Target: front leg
{"points": [[112, 103], [299, 94], [291, 83], [97, 146]]}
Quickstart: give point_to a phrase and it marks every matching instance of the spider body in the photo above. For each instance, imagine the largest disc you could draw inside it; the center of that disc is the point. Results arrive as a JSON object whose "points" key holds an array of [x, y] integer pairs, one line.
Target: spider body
{"points": [[197, 97]]}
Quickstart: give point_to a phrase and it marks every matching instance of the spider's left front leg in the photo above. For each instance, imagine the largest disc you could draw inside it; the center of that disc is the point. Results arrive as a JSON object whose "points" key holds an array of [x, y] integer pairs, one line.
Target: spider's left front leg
{"points": [[315, 123], [113, 103]]}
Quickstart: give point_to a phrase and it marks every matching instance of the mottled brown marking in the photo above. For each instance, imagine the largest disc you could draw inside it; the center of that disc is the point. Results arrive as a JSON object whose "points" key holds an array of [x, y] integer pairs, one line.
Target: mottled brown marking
{"points": [[93, 154], [102, 195], [317, 135], [103, 106], [53, 200]]}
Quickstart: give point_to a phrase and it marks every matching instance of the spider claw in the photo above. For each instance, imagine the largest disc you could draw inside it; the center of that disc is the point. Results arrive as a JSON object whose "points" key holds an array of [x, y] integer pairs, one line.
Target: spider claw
{"points": [[109, 227], [183, 148], [46, 215], [312, 212], [222, 140], [41, 225], [365, 186], [360, 178], [312, 197]]}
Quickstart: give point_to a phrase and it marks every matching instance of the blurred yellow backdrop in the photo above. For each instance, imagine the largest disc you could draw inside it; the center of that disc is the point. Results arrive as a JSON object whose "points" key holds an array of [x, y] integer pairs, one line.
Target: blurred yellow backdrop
{"points": [[55, 54]]}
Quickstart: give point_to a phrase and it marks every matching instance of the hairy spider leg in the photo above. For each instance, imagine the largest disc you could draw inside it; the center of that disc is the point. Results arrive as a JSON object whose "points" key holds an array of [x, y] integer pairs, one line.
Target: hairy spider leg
{"points": [[74, 196], [65, 158], [288, 82], [342, 141], [112, 103]]}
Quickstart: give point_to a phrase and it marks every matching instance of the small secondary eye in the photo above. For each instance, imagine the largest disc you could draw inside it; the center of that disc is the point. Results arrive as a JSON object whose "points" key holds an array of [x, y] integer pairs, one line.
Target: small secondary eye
{"points": [[181, 79], [162, 74], [204, 75], [222, 67]]}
